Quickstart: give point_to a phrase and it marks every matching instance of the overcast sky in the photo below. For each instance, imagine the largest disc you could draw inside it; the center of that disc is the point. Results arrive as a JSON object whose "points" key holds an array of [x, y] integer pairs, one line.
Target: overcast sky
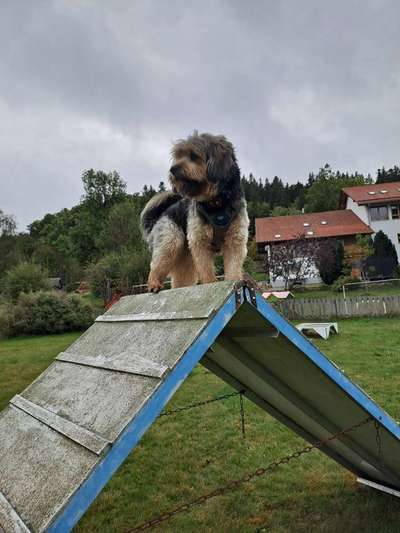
{"points": [[110, 84]]}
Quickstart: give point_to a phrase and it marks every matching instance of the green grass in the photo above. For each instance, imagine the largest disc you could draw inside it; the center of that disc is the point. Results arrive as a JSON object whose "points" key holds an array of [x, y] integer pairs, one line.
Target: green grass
{"points": [[181, 457], [24, 358]]}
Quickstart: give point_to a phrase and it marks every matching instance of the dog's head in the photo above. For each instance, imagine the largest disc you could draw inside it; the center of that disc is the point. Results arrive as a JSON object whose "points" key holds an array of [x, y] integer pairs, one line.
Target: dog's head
{"points": [[203, 165]]}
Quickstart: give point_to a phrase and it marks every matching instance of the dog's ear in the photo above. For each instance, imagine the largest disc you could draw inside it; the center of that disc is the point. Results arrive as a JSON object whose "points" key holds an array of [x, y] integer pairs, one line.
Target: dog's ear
{"points": [[220, 163]]}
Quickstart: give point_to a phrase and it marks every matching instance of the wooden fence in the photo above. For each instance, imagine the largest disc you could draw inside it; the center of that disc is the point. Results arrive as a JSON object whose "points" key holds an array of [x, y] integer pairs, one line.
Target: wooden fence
{"points": [[328, 308]]}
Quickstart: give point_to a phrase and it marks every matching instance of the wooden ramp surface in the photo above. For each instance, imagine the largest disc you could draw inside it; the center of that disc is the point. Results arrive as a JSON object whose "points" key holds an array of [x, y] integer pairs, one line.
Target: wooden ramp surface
{"points": [[64, 436]]}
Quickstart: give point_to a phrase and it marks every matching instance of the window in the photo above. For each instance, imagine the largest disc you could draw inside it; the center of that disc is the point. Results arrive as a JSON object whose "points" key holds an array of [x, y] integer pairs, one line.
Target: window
{"points": [[395, 211], [398, 237], [379, 213]]}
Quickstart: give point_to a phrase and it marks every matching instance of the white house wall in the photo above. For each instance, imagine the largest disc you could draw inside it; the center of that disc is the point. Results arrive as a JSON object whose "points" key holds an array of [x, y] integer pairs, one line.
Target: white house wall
{"points": [[390, 227], [360, 210]]}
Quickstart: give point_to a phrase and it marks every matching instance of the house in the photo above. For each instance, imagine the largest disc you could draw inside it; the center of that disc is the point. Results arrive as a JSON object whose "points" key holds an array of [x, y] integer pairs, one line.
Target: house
{"points": [[376, 205], [343, 225]]}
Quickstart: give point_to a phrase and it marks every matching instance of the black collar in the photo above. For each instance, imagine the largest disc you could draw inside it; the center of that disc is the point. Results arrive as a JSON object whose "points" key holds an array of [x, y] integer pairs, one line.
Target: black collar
{"points": [[216, 215]]}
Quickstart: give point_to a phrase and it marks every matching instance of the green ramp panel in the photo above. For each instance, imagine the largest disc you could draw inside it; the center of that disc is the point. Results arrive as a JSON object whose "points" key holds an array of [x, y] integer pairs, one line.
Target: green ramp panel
{"points": [[62, 438]]}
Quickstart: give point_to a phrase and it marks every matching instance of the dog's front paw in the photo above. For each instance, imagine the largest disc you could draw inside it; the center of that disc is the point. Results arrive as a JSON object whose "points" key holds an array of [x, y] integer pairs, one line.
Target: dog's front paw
{"points": [[154, 285]]}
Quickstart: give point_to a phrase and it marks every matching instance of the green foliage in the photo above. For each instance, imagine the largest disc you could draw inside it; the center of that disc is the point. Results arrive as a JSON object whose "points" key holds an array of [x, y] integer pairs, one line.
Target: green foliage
{"points": [[388, 176], [13, 250], [101, 189], [273, 193], [8, 226], [248, 265], [324, 188], [279, 211], [6, 319], [337, 285], [68, 233], [383, 246], [45, 312], [122, 226], [24, 277], [252, 249], [329, 260], [257, 210], [120, 269], [365, 243]]}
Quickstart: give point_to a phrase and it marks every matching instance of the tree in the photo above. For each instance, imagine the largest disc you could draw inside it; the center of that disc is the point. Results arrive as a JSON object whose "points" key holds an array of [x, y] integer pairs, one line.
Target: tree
{"points": [[25, 277], [122, 226], [8, 226], [256, 210], [324, 188], [365, 251], [383, 246], [383, 261], [279, 211], [102, 190], [292, 260], [388, 176], [329, 260]]}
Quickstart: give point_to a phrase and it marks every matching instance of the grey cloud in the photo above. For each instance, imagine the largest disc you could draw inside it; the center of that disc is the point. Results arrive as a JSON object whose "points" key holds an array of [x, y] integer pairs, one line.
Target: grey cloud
{"points": [[110, 85]]}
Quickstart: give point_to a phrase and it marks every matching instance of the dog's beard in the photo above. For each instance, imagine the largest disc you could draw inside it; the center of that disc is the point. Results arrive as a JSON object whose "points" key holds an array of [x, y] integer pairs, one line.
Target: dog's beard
{"points": [[188, 188]]}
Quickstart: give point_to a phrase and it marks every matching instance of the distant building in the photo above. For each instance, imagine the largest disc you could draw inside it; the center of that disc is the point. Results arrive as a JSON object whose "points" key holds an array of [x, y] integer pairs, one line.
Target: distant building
{"points": [[343, 225], [378, 206]]}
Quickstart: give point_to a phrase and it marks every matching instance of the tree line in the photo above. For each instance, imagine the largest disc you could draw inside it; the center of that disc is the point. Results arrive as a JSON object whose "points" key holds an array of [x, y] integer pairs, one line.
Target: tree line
{"points": [[101, 235]]}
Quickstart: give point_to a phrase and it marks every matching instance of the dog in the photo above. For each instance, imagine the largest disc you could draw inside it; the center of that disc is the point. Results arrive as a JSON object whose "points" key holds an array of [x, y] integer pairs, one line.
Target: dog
{"points": [[205, 214]]}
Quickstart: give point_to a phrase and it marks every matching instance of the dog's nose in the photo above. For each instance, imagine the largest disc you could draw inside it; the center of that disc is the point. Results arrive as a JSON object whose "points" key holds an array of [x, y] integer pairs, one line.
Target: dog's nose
{"points": [[174, 170]]}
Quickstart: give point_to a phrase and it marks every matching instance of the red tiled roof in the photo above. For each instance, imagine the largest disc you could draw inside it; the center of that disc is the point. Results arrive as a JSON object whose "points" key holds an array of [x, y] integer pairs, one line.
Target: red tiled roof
{"points": [[327, 224], [382, 192]]}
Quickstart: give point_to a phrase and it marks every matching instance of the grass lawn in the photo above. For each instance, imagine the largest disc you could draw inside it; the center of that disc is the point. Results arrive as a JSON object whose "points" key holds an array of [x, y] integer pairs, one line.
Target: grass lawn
{"points": [[181, 457]]}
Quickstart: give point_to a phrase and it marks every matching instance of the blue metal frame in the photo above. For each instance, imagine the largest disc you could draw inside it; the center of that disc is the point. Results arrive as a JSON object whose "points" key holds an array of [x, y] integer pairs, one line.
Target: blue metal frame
{"points": [[310, 351], [130, 437]]}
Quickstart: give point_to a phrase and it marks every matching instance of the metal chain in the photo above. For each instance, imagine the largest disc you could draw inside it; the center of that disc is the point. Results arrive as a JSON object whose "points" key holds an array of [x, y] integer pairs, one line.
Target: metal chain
{"points": [[234, 484], [199, 404], [378, 439]]}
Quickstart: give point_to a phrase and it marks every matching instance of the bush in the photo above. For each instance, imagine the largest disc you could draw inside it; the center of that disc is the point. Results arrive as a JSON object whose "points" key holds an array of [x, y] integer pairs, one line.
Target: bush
{"points": [[329, 260], [6, 319], [45, 312], [24, 277], [383, 247], [337, 285], [123, 269]]}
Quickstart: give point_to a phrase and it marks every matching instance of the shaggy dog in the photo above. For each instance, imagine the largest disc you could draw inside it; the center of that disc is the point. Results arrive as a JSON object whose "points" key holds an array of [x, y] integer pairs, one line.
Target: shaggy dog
{"points": [[205, 214]]}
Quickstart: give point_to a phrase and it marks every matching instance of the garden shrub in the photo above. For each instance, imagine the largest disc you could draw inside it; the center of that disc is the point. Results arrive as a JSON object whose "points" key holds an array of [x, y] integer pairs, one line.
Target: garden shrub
{"points": [[6, 319], [24, 277], [122, 269], [329, 260], [337, 285], [40, 313]]}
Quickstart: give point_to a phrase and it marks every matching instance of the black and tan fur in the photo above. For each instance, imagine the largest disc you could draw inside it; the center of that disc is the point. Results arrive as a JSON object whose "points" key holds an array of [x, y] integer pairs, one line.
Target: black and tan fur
{"points": [[204, 214]]}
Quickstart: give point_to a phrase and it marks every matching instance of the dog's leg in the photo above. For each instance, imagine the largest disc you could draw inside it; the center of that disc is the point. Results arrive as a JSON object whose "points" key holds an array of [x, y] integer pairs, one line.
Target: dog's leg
{"points": [[167, 242], [235, 247], [204, 260], [199, 238], [184, 273]]}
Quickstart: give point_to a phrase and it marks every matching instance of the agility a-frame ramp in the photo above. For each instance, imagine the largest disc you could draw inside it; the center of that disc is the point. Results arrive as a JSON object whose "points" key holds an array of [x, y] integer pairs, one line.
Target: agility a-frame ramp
{"points": [[63, 438]]}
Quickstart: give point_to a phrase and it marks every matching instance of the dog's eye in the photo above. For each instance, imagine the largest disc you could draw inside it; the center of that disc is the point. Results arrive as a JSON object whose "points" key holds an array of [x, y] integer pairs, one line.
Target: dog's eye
{"points": [[194, 156]]}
